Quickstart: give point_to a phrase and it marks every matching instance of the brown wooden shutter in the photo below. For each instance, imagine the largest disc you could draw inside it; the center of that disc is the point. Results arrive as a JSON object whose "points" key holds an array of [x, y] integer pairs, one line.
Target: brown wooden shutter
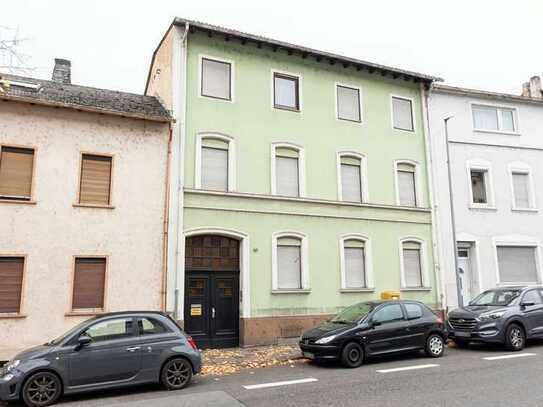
{"points": [[95, 180], [89, 283], [16, 166], [11, 283]]}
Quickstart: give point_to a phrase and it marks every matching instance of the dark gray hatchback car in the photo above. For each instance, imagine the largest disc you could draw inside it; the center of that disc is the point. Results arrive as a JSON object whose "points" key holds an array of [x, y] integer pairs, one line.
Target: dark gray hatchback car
{"points": [[110, 351]]}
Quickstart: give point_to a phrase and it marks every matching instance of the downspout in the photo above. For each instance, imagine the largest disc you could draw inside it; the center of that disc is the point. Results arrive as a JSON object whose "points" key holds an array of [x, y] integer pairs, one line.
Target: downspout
{"points": [[440, 288], [164, 288]]}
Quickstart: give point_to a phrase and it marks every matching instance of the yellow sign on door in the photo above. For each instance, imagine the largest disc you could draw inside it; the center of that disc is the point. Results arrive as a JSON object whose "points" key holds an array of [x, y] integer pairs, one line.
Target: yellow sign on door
{"points": [[195, 310]]}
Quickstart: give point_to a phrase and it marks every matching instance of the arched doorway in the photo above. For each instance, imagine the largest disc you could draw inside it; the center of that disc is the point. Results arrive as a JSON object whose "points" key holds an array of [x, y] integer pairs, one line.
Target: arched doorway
{"points": [[212, 290]]}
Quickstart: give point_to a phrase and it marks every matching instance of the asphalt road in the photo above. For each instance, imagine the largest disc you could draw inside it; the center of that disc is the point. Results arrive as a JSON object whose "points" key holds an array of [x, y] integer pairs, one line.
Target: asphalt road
{"points": [[479, 376]]}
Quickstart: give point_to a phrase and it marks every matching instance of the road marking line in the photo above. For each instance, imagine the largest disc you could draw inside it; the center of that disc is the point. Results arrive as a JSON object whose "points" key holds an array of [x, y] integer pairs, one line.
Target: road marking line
{"points": [[275, 384], [515, 355], [401, 369]]}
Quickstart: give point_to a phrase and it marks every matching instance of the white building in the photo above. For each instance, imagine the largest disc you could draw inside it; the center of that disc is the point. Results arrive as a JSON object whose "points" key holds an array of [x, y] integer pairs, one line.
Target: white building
{"points": [[496, 160], [82, 205]]}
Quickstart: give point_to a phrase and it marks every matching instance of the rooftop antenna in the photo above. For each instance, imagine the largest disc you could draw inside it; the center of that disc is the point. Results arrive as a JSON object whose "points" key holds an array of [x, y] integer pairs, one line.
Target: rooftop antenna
{"points": [[12, 58]]}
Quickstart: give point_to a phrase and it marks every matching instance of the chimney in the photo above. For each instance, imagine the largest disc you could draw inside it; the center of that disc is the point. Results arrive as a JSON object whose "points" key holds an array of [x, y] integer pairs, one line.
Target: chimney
{"points": [[535, 87], [62, 71], [526, 89]]}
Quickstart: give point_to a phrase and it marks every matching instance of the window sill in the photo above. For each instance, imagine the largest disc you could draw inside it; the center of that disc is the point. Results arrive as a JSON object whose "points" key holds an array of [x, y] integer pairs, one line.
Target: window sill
{"points": [[12, 316], [17, 201], [79, 205], [524, 209], [286, 108], [483, 207], [294, 291], [404, 130], [216, 98], [407, 289], [349, 120], [357, 290], [85, 313], [497, 132]]}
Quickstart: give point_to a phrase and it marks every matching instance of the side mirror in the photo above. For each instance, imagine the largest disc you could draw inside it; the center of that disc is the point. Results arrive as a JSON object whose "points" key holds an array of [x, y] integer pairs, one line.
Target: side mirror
{"points": [[83, 340], [373, 324]]}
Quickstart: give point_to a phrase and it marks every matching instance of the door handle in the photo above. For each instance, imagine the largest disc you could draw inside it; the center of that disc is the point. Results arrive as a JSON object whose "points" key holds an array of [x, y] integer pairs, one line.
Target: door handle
{"points": [[213, 312], [133, 349]]}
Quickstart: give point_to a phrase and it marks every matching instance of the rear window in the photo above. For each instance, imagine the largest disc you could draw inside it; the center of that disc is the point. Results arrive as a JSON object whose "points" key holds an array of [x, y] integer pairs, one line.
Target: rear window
{"points": [[414, 311]]}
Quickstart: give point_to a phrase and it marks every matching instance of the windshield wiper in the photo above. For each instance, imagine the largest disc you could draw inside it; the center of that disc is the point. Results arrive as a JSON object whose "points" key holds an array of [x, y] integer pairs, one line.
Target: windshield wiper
{"points": [[341, 321]]}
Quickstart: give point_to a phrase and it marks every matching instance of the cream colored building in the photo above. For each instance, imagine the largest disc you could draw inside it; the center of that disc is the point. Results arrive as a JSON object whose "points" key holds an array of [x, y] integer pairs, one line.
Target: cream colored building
{"points": [[83, 191]]}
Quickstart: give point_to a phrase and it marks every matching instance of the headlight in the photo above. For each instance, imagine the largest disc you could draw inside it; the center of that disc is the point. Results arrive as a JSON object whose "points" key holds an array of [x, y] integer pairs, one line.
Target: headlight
{"points": [[10, 366], [491, 316], [326, 339]]}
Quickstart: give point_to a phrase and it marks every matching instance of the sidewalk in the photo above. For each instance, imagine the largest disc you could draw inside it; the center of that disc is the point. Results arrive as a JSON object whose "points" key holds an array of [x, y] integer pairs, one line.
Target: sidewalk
{"points": [[218, 362]]}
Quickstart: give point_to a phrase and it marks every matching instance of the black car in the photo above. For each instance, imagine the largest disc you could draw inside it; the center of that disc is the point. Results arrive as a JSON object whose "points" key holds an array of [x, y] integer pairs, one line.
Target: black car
{"points": [[507, 315], [375, 328], [113, 350]]}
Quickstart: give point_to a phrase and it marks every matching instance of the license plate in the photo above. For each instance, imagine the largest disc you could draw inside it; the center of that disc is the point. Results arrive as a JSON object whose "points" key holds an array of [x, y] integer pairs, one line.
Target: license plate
{"points": [[462, 334], [308, 355]]}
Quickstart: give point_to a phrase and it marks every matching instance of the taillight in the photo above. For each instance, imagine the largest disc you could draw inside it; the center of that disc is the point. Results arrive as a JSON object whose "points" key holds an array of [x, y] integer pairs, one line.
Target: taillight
{"points": [[439, 320], [192, 343]]}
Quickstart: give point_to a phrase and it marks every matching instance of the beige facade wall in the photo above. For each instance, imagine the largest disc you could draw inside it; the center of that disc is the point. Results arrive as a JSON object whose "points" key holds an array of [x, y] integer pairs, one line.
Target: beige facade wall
{"points": [[51, 231], [160, 80]]}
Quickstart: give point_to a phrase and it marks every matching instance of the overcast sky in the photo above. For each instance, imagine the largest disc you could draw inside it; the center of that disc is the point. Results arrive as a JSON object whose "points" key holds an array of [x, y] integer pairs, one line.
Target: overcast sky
{"points": [[485, 44]]}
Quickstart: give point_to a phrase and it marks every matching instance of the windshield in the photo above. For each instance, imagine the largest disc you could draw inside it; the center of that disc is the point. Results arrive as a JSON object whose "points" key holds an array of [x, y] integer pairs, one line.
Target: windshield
{"points": [[496, 297], [353, 314], [67, 334]]}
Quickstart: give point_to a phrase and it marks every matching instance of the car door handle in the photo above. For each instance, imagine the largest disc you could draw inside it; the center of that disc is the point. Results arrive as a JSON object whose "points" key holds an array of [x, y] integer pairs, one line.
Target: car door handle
{"points": [[133, 349]]}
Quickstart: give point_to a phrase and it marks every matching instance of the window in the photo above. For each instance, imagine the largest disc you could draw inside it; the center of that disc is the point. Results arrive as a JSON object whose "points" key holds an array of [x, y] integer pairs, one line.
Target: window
{"points": [[112, 329], [214, 165], [412, 264], [286, 92], [414, 311], [517, 264], [150, 326], [521, 190], [89, 283], [351, 179], [289, 263], [402, 113], [216, 79], [532, 296], [95, 181], [355, 264], [494, 118], [348, 103], [407, 186], [16, 167], [388, 313], [287, 172], [11, 284], [478, 186]]}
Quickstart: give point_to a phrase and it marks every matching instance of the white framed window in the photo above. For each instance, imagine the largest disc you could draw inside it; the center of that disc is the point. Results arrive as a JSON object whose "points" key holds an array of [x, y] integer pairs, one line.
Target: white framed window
{"points": [[348, 103], [355, 263], [287, 170], [494, 118], [413, 269], [216, 78], [402, 113], [352, 177], [518, 260], [407, 183], [215, 164], [286, 91], [481, 190], [290, 262], [522, 189]]}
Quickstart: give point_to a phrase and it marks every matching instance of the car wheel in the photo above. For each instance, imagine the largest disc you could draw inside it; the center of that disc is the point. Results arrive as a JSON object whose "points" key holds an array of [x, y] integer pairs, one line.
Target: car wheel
{"points": [[42, 389], [515, 338], [176, 374], [461, 343], [435, 346], [352, 355]]}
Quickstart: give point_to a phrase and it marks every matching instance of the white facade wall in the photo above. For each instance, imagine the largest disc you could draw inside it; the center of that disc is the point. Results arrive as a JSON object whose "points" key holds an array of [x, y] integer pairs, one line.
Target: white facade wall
{"points": [[52, 231], [483, 229]]}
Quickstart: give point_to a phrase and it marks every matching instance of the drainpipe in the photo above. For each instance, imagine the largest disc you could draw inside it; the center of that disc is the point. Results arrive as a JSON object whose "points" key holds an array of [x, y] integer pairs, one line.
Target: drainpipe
{"points": [[440, 291], [164, 288], [453, 222]]}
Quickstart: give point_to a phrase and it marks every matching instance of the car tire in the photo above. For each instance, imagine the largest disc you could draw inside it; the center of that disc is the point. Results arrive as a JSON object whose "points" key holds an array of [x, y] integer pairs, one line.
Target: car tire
{"points": [[41, 389], [435, 346], [176, 374], [352, 355], [515, 338], [462, 344]]}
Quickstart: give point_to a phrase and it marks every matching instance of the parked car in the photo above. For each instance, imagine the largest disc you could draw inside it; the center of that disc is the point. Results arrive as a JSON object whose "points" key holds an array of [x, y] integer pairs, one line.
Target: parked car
{"points": [[375, 328], [508, 316], [113, 350]]}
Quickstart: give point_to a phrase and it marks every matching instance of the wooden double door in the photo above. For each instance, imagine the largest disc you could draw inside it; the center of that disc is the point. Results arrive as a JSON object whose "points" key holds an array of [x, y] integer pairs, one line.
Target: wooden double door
{"points": [[212, 291]]}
